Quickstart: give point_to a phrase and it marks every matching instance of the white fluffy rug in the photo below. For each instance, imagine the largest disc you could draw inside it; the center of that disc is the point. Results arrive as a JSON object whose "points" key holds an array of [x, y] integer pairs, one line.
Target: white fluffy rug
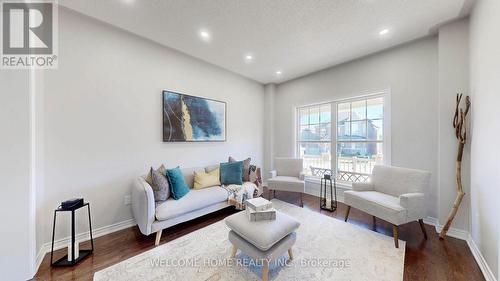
{"points": [[326, 249]]}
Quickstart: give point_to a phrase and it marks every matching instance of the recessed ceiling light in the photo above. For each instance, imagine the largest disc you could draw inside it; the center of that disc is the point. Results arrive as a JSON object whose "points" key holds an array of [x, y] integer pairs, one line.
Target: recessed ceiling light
{"points": [[248, 58], [128, 2], [383, 31], [278, 72], [205, 35]]}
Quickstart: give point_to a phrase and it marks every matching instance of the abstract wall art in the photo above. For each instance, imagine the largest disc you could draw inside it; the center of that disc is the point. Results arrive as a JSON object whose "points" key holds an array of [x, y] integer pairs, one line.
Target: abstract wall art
{"points": [[192, 119]]}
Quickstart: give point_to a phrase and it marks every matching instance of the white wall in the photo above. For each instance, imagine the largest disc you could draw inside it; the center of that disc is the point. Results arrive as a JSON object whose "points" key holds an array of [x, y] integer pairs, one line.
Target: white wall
{"points": [[15, 161], [453, 79], [485, 160], [102, 118], [409, 71], [269, 93]]}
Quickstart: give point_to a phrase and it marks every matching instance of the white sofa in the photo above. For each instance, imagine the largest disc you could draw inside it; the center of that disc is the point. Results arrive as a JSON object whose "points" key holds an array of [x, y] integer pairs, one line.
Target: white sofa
{"points": [[393, 194], [153, 218]]}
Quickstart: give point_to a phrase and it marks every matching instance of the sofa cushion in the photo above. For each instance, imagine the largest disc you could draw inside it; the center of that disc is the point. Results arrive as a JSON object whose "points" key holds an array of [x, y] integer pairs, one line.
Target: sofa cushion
{"points": [[194, 200], [288, 166], [203, 179], [231, 173], [149, 177], [188, 174], [161, 187], [262, 234], [396, 181], [377, 204], [178, 186], [286, 183], [246, 167]]}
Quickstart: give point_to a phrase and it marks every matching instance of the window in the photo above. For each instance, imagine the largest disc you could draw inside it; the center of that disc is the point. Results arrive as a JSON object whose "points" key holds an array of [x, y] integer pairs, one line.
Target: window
{"points": [[314, 136], [360, 137]]}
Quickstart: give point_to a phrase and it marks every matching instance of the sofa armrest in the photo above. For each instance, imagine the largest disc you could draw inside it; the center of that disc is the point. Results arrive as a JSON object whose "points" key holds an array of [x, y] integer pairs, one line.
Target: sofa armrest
{"points": [[362, 186], [273, 174], [414, 203], [143, 205]]}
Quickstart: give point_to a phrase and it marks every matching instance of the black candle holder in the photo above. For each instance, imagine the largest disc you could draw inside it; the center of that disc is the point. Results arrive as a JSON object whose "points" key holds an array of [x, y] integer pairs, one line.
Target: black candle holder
{"points": [[323, 194]]}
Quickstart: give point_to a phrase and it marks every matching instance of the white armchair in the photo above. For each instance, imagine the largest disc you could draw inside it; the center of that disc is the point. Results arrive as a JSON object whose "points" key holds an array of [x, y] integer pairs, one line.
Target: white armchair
{"points": [[287, 176], [393, 194]]}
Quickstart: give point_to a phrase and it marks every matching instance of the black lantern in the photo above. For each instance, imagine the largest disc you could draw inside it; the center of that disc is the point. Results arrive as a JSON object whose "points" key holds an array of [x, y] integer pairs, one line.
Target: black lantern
{"points": [[323, 200]]}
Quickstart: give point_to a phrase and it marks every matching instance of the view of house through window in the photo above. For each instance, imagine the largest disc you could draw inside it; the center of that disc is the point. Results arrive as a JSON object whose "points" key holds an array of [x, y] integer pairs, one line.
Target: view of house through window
{"points": [[315, 137], [358, 139]]}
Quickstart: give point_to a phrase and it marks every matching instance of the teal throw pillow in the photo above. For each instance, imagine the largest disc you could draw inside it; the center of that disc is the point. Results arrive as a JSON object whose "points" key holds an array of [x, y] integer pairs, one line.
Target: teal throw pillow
{"points": [[178, 186], [231, 173]]}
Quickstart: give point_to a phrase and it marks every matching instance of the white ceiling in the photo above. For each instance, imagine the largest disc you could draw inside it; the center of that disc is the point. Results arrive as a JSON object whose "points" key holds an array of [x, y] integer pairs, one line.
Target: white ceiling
{"points": [[295, 36]]}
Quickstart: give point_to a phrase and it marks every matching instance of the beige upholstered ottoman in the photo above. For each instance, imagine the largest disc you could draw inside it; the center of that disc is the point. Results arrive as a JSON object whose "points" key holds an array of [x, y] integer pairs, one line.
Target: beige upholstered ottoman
{"points": [[262, 240]]}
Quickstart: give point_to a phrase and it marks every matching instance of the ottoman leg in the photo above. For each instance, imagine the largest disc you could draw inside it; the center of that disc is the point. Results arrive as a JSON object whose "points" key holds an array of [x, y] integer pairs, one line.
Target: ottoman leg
{"points": [[290, 253], [265, 270], [233, 252]]}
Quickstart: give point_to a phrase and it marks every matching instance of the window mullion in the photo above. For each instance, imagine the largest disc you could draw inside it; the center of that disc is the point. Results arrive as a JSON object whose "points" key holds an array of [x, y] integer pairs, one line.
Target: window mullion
{"points": [[333, 141]]}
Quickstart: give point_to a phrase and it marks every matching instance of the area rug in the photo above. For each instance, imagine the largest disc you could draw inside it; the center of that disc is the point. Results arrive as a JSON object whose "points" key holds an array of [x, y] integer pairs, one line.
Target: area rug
{"points": [[326, 249]]}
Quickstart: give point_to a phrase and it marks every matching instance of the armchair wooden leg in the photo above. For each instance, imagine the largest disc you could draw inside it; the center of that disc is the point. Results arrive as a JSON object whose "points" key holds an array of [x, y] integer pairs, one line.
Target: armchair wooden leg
{"points": [[301, 200], [290, 253], [421, 222], [233, 251], [396, 236], [347, 213], [158, 237]]}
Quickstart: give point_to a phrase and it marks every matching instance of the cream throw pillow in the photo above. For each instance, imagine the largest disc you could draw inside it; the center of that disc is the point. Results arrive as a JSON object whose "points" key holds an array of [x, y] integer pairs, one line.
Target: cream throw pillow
{"points": [[202, 179]]}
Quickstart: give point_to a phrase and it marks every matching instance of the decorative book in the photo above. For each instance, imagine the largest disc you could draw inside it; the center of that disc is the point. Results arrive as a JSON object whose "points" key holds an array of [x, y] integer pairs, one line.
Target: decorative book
{"points": [[258, 209], [269, 214], [258, 204]]}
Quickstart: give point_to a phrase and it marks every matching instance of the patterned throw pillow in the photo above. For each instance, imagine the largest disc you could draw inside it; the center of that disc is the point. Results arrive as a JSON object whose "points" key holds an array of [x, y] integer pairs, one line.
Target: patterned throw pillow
{"points": [[149, 176], [202, 179], [246, 167], [161, 188]]}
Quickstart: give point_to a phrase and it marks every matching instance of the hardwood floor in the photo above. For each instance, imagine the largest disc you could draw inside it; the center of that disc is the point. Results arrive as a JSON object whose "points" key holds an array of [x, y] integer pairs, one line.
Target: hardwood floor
{"points": [[430, 259]]}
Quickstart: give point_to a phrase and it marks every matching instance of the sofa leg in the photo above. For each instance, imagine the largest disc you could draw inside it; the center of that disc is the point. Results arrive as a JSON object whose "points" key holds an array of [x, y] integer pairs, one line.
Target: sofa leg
{"points": [[347, 213], [265, 270], [158, 237], [301, 200], [395, 234], [421, 222]]}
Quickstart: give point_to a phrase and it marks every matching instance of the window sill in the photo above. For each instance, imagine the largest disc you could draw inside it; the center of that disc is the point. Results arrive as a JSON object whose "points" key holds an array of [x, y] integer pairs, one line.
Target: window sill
{"points": [[317, 180]]}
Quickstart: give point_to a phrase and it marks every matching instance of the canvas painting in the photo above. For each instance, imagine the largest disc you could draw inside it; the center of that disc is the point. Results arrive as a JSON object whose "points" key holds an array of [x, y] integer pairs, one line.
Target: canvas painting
{"points": [[192, 119]]}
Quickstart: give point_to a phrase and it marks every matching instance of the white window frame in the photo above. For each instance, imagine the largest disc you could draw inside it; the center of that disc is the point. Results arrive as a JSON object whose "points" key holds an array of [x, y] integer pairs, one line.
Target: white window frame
{"points": [[386, 148]]}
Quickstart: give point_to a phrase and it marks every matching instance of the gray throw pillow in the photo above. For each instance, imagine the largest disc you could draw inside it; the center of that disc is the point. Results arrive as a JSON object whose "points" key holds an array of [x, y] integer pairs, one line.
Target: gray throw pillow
{"points": [[161, 189], [246, 167]]}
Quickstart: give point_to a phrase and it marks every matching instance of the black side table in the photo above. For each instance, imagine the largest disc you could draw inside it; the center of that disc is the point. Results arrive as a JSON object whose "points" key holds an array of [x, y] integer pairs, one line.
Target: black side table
{"points": [[323, 194], [82, 253]]}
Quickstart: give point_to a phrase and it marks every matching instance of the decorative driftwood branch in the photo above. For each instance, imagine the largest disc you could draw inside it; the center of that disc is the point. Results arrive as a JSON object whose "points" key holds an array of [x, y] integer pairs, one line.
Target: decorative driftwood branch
{"points": [[459, 123]]}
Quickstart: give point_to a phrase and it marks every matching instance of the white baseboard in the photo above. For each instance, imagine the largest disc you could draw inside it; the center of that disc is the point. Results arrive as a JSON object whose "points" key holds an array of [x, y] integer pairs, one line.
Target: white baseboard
{"points": [[465, 235], [452, 232], [81, 237], [488, 274]]}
